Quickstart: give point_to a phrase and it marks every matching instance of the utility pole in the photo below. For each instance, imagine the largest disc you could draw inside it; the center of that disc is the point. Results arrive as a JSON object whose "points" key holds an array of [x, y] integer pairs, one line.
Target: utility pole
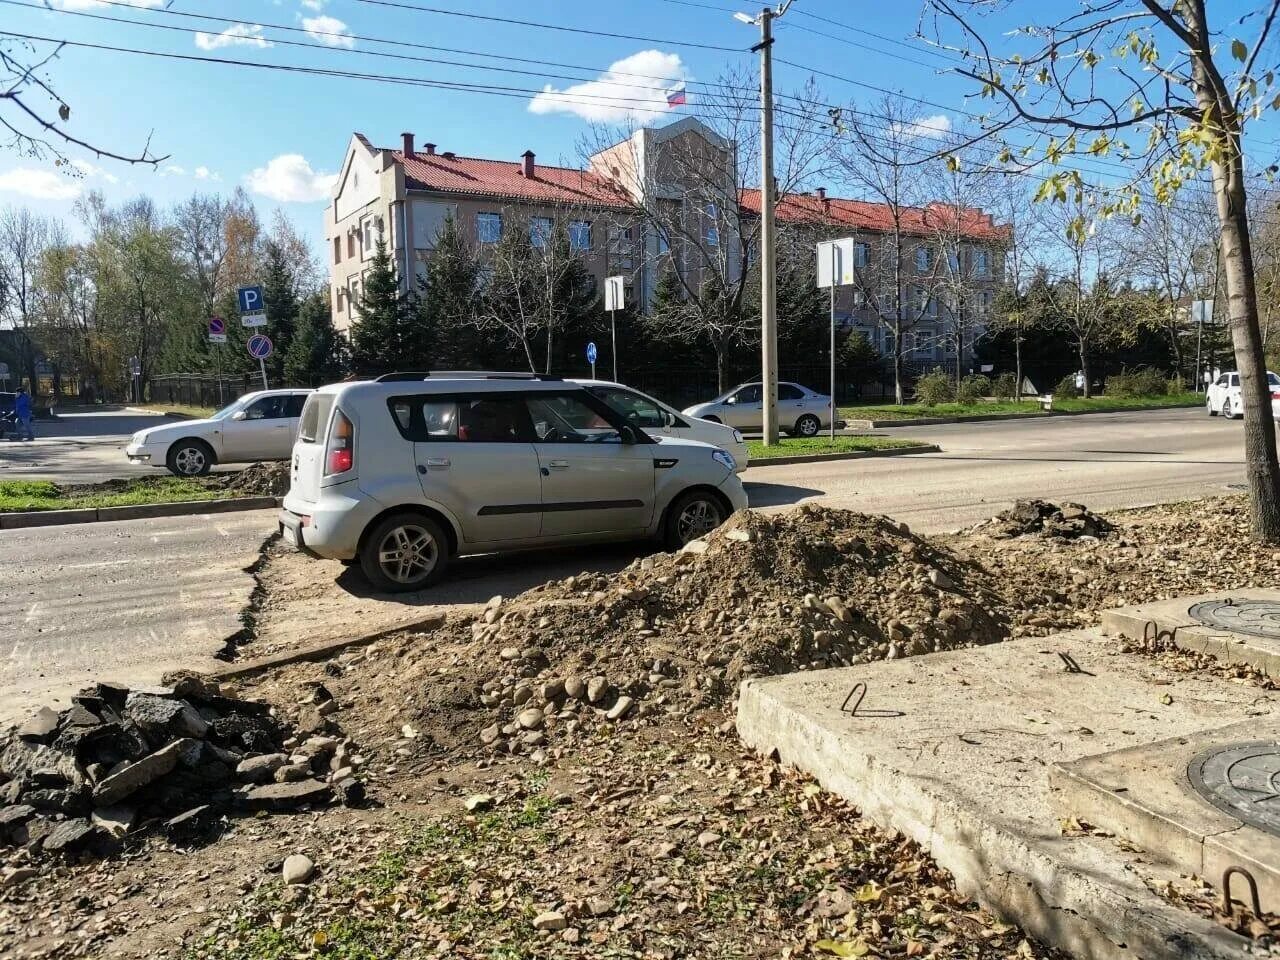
{"points": [[768, 242]]}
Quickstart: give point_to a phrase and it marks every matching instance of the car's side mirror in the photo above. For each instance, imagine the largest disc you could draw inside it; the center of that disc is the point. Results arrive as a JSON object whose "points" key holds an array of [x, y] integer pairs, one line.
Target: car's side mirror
{"points": [[240, 415], [731, 400]]}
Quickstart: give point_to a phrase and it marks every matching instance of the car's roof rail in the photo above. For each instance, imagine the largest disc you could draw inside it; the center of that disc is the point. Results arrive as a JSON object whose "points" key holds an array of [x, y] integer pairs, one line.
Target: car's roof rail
{"points": [[490, 375], [402, 375]]}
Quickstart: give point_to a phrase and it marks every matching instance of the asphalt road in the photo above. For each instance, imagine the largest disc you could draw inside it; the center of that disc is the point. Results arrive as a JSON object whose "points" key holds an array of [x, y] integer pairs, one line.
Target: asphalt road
{"points": [[131, 600]]}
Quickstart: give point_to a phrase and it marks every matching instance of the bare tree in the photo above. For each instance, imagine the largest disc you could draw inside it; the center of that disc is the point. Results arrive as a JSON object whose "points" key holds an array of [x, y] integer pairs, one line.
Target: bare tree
{"points": [[24, 238], [1023, 234], [201, 237], [1150, 68], [888, 161], [694, 190]]}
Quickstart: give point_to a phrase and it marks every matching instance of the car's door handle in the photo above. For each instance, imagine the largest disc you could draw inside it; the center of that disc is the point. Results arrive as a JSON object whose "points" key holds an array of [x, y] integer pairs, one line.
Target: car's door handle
{"points": [[559, 464], [437, 461]]}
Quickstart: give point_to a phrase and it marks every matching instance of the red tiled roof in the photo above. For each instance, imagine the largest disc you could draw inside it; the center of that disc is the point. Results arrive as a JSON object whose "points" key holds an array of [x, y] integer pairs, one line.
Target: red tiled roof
{"points": [[862, 215], [502, 179]]}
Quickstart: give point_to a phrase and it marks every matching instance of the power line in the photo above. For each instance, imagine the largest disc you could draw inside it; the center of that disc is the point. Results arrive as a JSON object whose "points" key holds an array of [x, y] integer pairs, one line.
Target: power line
{"points": [[553, 26]]}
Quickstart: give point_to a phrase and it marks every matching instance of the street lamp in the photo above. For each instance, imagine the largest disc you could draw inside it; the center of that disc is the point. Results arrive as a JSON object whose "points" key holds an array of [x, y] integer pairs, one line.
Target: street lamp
{"points": [[768, 290]]}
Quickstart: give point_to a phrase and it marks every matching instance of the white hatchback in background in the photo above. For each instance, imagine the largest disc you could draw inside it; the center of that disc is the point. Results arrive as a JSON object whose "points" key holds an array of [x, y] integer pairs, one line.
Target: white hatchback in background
{"points": [[259, 426], [1223, 396], [801, 412], [401, 474], [659, 420]]}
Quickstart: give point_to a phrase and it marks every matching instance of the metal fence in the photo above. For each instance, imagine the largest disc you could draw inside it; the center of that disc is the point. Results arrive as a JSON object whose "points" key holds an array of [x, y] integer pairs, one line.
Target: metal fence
{"points": [[196, 390]]}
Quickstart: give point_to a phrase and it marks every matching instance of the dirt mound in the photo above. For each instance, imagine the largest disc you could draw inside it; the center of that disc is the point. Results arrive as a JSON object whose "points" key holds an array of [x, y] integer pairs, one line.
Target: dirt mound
{"points": [[1067, 522], [673, 633], [259, 480]]}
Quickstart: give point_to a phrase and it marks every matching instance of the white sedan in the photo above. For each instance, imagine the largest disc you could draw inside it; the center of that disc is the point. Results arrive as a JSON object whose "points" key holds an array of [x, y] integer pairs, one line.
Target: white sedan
{"points": [[659, 420], [1223, 396], [259, 426], [801, 411]]}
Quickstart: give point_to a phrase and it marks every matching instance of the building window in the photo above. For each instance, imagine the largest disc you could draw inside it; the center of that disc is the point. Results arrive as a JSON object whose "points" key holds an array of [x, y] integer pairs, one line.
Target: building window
{"points": [[338, 300], [337, 249], [953, 262], [540, 231], [368, 237], [713, 226], [579, 235], [355, 294], [664, 241], [922, 259], [981, 266], [862, 255], [351, 243], [488, 227]]}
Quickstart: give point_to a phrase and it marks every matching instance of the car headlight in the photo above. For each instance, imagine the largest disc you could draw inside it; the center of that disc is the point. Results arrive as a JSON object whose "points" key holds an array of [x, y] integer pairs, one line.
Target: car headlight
{"points": [[737, 437], [726, 458]]}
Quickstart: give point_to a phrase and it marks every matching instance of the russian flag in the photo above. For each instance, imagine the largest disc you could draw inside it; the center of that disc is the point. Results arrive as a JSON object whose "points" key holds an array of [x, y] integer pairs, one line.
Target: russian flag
{"points": [[675, 98]]}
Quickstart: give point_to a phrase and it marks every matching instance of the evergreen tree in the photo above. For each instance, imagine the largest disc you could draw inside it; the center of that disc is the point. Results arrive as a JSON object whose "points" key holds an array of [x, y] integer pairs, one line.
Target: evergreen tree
{"points": [[450, 301], [383, 335], [317, 353], [279, 290]]}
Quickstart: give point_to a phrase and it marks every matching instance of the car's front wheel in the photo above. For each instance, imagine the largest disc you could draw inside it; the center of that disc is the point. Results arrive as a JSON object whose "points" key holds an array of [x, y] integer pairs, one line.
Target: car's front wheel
{"points": [[404, 552], [808, 426], [190, 458], [693, 514], [1229, 409], [1208, 407]]}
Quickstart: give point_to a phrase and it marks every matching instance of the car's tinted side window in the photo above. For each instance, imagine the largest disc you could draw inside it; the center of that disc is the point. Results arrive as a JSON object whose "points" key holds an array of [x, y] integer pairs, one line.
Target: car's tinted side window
{"points": [[564, 419], [265, 408], [751, 394], [293, 405], [787, 392], [637, 409]]}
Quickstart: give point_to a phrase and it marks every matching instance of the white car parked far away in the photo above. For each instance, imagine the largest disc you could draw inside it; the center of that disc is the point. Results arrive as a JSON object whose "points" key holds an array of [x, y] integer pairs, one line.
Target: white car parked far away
{"points": [[1223, 396], [801, 411], [258, 426], [659, 420]]}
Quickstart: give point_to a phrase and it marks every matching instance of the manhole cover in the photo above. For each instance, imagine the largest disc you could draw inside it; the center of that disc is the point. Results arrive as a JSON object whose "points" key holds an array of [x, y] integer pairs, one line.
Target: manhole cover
{"points": [[1257, 618], [1243, 780]]}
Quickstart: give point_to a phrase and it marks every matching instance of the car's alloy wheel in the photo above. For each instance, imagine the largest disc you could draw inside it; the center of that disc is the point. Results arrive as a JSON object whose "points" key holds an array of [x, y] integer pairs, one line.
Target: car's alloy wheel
{"points": [[408, 553], [808, 425], [1208, 408], [190, 461], [697, 518]]}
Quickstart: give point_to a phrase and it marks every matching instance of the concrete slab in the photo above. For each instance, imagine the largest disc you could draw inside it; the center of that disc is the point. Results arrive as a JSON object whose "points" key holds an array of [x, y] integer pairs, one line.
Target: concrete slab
{"points": [[954, 750], [1170, 620], [1144, 794]]}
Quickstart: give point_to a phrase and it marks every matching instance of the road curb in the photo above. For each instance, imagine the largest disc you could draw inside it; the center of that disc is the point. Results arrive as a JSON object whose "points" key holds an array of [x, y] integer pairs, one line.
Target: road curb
{"points": [[854, 455], [167, 414], [319, 651], [53, 518], [985, 418]]}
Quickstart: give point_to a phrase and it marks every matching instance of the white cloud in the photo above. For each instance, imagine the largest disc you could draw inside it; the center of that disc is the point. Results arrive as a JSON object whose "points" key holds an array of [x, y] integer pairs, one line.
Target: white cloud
{"points": [[90, 4], [173, 170], [39, 184], [934, 126], [241, 35], [314, 4], [328, 30], [626, 90], [204, 173], [289, 178], [90, 170]]}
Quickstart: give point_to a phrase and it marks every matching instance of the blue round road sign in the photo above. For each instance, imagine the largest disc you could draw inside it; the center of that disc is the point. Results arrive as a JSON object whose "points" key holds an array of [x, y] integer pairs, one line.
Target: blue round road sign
{"points": [[259, 346], [591, 353]]}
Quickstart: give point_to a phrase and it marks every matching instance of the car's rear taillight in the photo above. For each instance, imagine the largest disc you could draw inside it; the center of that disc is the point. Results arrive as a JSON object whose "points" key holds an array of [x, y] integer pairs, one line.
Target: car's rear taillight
{"points": [[340, 448]]}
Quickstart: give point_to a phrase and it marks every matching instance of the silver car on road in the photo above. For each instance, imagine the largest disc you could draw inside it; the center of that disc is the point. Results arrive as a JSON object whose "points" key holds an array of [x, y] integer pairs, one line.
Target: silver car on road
{"points": [[801, 411]]}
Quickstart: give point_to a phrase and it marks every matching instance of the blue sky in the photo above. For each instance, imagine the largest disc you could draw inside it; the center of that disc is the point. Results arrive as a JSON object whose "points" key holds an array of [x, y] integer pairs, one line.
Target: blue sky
{"points": [[282, 135]]}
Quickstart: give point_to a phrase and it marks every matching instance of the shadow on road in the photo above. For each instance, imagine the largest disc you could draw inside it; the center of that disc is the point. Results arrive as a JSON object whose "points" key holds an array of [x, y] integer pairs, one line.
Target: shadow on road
{"points": [[777, 494]]}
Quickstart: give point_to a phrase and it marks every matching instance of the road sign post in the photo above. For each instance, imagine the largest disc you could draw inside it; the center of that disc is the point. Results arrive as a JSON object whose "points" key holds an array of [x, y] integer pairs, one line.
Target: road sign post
{"points": [[614, 299], [835, 269], [591, 358], [259, 347]]}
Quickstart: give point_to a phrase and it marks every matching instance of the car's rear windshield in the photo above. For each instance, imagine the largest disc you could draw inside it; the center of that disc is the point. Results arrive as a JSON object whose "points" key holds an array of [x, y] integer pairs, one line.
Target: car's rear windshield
{"points": [[315, 417]]}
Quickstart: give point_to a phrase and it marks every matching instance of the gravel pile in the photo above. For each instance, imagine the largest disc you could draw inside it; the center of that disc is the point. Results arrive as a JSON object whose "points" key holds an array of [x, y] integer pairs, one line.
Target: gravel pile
{"points": [[1040, 517], [269, 479], [118, 763]]}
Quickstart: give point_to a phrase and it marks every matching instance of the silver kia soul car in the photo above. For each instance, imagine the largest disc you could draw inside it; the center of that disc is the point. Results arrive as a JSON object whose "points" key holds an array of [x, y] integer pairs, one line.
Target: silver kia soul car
{"points": [[405, 472]]}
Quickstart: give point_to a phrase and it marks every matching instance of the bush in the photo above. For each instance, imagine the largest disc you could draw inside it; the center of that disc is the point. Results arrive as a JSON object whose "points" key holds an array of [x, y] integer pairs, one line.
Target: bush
{"points": [[1005, 387], [1143, 382], [1066, 387], [973, 389], [934, 388]]}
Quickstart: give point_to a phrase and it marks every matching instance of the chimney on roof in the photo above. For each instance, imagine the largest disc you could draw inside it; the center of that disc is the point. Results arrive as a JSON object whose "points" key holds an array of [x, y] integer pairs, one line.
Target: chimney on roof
{"points": [[448, 154], [527, 167], [821, 193], [430, 148], [406, 140]]}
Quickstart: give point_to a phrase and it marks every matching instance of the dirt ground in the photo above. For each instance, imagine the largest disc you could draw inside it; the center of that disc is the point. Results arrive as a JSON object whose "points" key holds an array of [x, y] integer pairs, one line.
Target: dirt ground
{"points": [[513, 814]]}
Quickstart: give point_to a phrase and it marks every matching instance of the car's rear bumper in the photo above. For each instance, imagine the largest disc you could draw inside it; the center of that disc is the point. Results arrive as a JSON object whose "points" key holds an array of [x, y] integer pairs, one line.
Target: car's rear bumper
{"points": [[330, 527]]}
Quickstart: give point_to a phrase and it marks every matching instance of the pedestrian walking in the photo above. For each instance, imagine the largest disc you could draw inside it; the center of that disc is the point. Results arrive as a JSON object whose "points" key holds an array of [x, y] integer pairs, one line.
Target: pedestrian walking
{"points": [[22, 411]]}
